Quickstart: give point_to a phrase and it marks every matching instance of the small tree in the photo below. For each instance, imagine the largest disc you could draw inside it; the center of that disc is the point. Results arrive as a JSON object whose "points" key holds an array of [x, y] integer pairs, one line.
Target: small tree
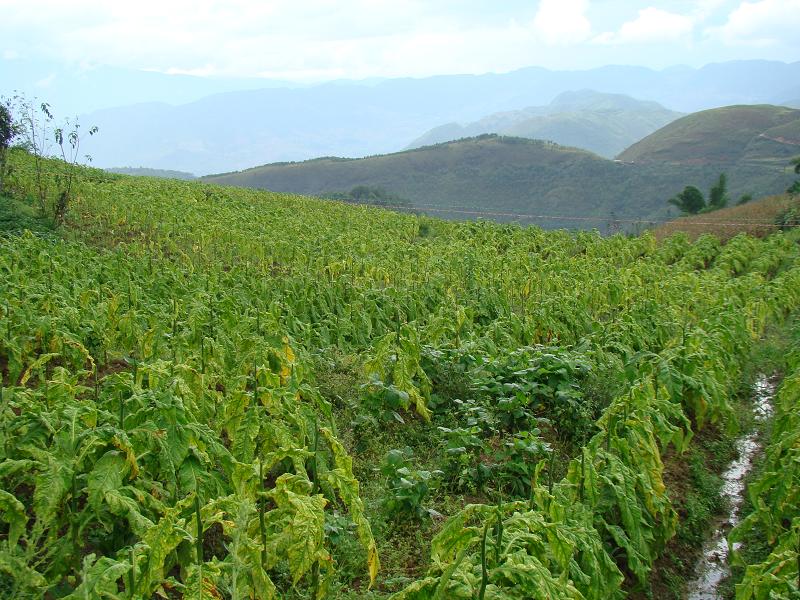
{"points": [[794, 189], [689, 201], [718, 196], [34, 132], [8, 131], [70, 134]]}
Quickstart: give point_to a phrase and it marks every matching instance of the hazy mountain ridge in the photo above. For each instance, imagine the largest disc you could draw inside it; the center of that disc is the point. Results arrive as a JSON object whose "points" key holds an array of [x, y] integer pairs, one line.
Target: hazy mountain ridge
{"points": [[498, 177], [235, 130], [603, 123], [79, 89]]}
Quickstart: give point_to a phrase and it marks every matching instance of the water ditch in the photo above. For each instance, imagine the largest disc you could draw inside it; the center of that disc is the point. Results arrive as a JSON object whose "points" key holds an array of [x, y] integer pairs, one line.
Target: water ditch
{"points": [[712, 567]]}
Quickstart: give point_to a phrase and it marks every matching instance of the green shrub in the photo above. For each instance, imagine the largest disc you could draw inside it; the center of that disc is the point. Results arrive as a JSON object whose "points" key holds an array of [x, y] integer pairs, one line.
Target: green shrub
{"points": [[407, 488]]}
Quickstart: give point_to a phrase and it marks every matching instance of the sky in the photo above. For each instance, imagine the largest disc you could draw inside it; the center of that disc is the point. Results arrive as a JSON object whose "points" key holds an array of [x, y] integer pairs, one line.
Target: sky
{"points": [[318, 40]]}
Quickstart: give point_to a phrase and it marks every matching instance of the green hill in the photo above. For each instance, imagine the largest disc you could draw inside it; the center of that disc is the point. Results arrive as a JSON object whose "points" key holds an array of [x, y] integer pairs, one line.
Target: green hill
{"points": [[506, 179], [602, 123], [145, 172], [729, 136]]}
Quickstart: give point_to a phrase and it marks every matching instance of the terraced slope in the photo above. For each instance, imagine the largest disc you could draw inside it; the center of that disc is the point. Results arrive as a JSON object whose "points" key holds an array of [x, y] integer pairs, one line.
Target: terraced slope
{"points": [[729, 136]]}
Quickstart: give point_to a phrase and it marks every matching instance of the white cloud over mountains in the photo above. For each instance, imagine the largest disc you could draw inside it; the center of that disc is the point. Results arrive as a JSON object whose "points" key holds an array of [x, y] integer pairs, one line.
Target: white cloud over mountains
{"points": [[763, 23], [326, 39], [651, 25], [562, 22]]}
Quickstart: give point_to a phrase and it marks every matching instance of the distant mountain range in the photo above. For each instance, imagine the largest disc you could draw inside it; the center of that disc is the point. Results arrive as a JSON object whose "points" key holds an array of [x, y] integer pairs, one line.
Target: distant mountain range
{"points": [[78, 89], [533, 181], [237, 129], [605, 124]]}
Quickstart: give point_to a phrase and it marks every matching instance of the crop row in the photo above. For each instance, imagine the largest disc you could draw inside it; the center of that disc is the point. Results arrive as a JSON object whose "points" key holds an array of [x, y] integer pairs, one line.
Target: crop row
{"points": [[775, 498]]}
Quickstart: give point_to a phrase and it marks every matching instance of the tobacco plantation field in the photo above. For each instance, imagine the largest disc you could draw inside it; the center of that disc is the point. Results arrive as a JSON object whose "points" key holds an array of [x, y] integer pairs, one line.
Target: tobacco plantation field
{"points": [[211, 392]]}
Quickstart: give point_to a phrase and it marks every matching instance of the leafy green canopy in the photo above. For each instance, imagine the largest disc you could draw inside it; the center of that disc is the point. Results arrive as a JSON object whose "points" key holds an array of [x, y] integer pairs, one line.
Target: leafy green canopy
{"points": [[690, 200]]}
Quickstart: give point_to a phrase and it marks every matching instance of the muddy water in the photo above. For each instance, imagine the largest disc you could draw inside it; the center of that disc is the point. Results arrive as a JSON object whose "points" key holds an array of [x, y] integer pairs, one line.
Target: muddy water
{"points": [[713, 566]]}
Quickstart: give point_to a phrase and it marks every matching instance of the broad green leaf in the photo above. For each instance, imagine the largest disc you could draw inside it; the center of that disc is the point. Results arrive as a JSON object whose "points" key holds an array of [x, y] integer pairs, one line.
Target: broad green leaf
{"points": [[106, 477], [12, 511]]}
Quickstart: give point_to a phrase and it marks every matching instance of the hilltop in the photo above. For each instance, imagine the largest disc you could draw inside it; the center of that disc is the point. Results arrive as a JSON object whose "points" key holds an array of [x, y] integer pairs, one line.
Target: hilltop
{"points": [[731, 135], [603, 123], [506, 179]]}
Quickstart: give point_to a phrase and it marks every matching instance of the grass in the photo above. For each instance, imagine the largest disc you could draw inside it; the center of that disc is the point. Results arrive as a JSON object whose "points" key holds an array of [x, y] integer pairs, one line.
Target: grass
{"points": [[757, 218], [337, 375], [17, 216], [145, 172], [404, 542]]}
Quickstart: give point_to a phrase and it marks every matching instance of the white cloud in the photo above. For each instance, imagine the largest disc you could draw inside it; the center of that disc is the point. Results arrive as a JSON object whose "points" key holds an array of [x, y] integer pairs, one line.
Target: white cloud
{"points": [[320, 38], [762, 23], [312, 40], [651, 25], [562, 22], [46, 82], [704, 9], [205, 71], [10, 55]]}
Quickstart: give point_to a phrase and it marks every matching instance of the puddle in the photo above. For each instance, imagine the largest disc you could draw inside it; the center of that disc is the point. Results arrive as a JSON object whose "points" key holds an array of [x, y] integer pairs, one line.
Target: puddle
{"points": [[713, 566]]}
